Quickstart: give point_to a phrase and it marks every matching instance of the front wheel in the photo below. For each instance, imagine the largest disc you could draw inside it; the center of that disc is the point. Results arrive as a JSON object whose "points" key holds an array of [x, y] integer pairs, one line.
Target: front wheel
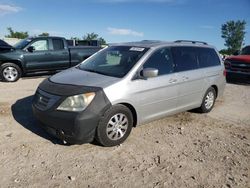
{"points": [[115, 126], [208, 101], [10, 72]]}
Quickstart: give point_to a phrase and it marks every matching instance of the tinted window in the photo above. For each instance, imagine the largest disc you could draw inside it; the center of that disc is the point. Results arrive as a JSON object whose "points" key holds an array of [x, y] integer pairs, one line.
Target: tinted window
{"points": [[161, 60], [58, 44], [185, 58], [207, 57]]}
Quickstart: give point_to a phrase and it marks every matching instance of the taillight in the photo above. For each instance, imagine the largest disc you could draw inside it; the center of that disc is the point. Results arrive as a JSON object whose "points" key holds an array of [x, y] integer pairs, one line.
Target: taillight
{"points": [[225, 73]]}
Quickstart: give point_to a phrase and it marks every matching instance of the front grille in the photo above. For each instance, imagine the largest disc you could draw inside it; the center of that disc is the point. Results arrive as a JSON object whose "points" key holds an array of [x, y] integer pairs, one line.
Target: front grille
{"points": [[240, 66], [44, 101]]}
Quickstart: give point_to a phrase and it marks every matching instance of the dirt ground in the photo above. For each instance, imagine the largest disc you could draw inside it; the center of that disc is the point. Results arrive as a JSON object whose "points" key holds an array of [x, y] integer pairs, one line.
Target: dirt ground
{"points": [[184, 150]]}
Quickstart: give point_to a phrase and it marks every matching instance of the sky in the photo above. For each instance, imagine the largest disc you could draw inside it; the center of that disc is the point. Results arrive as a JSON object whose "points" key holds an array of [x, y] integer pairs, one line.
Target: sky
{"points": [[126, 20]]}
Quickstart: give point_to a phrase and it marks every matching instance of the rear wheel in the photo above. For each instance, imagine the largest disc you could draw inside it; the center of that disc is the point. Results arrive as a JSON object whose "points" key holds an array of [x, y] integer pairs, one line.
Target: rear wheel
{"points": [[208, 101], [115, 126], [10, 72]]}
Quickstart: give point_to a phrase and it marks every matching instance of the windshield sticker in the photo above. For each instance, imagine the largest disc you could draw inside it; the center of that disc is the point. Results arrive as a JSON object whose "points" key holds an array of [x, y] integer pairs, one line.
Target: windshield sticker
{"points": [[136, 49]]}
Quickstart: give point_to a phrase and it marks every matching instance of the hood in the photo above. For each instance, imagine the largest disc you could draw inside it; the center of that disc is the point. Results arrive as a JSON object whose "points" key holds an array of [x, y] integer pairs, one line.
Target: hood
{"points": [[11, 54], [75, 76], [241, 58], [4, 46]]}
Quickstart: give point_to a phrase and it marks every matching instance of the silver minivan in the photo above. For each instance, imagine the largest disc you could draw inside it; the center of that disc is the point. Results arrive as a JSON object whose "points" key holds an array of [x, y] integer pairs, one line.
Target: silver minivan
{"points": [[126, 85]]}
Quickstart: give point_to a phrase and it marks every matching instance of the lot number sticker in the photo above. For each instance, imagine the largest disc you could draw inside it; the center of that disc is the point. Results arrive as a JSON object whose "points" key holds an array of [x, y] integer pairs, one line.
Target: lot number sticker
{"points": [[136, 49]]}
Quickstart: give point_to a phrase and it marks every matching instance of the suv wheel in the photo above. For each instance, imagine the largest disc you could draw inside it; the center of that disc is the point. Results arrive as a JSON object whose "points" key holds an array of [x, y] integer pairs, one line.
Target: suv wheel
{"points": [[10, 72], [208, 101], [115, 126]]}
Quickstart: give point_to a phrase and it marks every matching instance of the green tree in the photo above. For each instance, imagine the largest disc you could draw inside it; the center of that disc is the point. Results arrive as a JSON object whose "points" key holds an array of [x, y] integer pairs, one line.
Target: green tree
{"points": [[16, 34], [45, 34], [102, 41], [233, 32], [90, 36], [224, 52], [94, 36], [75, 38]]}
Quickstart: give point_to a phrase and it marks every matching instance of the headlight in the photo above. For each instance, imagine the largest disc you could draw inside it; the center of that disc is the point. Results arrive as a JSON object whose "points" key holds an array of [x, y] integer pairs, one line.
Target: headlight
{"points": [[76, 103]]}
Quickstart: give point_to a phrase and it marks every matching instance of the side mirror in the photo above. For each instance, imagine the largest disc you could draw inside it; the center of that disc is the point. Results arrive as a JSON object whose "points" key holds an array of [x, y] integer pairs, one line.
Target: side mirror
{"points": [[150, 72], [30, 49]]}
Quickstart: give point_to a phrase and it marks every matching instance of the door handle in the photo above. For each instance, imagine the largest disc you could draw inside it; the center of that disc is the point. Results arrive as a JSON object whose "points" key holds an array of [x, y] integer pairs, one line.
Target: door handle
{"points": [[172, 80]]}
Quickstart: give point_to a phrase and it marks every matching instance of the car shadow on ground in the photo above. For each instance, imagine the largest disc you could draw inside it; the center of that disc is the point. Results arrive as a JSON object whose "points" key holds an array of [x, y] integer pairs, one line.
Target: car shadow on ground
{"points": [[22, 113]]}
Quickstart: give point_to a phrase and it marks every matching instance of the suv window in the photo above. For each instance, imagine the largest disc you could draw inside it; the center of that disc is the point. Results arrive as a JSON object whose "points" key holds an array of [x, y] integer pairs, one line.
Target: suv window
{"points": [[40, 45], [161, 60], [185, 58], [58, 44], [207, 57]]}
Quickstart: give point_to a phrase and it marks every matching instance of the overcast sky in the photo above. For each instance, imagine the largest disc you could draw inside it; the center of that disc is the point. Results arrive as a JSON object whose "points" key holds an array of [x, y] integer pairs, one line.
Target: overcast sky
{"points": [[125, 20]]}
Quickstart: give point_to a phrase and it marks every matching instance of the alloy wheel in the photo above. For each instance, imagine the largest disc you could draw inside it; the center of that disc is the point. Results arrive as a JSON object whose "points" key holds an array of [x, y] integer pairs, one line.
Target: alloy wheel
{"points": [[10, 74], [117, 126]]}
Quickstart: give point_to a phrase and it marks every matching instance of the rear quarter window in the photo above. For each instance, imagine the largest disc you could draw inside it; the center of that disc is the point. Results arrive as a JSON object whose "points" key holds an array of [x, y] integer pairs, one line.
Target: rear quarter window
{"points": [[207, 57]]}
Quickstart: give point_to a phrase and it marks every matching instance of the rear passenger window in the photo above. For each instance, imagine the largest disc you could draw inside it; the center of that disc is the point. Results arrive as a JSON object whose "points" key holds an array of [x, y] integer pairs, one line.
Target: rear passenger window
{"points": [[161, 60], [58, 44], [185, 58], [207, 57]]}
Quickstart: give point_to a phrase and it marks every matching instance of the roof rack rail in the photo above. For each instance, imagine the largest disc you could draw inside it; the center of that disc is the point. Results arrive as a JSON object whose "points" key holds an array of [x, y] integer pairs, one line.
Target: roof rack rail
{"points": [[192, 41], [151, 41]]}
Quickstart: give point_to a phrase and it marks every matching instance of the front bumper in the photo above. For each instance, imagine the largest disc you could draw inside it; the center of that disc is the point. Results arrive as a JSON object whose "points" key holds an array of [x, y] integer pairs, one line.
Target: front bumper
{"points": [[72, 127], [236, 76]]}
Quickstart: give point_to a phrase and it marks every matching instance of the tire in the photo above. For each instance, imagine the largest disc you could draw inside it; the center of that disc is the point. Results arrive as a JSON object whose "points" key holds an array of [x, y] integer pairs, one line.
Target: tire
{"points": [[115, 126], [10, 72], [208, 101]]}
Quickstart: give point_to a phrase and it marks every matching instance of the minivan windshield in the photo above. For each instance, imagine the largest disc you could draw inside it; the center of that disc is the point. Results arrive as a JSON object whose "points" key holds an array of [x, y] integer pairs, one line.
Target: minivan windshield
{"points": [[115, 61]]}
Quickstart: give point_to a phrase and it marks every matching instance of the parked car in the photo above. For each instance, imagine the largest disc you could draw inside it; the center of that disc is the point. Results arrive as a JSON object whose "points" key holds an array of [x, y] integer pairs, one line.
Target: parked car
{"points": [[40, 54], [126, 85], [238, 66], [4, 46]]}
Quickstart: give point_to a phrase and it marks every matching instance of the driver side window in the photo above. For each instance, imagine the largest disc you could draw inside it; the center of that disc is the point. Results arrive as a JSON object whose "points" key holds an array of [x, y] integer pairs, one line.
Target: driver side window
{"points": [[40, 45], [161, 60]]}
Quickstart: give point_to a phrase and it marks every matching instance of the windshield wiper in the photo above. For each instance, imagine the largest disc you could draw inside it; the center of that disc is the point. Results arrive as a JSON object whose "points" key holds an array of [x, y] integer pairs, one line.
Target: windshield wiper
{"points": [[94, 71], [90, 70]]}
